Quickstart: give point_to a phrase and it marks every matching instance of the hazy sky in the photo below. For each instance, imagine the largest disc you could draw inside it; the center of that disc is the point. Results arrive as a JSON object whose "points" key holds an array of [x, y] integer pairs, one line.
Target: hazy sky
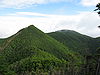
{"points": [[49, 15]]}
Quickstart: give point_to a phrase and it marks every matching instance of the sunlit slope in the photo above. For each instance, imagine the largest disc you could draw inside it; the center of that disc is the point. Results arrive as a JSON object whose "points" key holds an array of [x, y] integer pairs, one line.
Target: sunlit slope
{"points": [[23, 44], [31, 47]]}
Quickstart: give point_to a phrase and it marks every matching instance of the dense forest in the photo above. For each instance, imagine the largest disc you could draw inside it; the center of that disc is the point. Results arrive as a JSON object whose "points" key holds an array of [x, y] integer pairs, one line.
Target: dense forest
{"points": [[87, 46], [33, 52]]}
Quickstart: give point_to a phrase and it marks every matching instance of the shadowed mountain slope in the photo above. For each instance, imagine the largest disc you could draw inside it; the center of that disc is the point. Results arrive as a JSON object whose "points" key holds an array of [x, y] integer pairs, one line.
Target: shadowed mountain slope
{"points": [[76, 41]]}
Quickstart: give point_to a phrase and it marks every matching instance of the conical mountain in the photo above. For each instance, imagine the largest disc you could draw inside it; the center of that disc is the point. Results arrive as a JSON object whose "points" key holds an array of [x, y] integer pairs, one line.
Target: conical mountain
{"points": [[31, 38], [31, 50]]}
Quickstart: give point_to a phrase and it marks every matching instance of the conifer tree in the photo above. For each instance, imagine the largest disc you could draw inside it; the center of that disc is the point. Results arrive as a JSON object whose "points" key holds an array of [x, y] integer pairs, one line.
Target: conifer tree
{"points": [[98, 10]]}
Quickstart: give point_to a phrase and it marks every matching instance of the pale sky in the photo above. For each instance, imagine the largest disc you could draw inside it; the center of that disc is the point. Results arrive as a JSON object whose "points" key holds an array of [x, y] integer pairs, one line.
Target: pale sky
{"points": [[49, 16]]}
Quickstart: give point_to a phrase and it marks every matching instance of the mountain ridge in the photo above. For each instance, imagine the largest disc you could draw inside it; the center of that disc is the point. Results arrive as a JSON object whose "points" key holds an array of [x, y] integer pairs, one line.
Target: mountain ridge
{"points": [[75, 40], [30, 43], [33, 52]]}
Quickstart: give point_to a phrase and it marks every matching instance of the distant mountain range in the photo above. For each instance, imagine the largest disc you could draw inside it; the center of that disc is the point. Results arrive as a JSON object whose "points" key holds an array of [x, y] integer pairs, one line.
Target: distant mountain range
{"points": [[33, 52]]}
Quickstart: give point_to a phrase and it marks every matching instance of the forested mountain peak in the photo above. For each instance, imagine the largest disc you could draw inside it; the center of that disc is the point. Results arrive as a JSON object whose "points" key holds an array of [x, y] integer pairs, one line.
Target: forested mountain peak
{"points": [[31, 45]]}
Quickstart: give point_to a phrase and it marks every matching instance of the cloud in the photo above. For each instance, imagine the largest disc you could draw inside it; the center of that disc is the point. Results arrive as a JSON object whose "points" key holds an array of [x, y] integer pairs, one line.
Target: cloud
{"points": [[89, 2], [84, 22], [25, 3], [89, 24]]}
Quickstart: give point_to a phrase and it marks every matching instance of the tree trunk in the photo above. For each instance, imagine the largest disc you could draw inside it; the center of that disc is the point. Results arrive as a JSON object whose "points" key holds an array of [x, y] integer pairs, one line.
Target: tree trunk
{"points": [[97, 70]]}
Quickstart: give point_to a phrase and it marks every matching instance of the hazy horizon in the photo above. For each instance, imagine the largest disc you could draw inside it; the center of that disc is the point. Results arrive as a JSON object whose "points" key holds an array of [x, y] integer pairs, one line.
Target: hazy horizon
{"points": [[49, 16]]}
